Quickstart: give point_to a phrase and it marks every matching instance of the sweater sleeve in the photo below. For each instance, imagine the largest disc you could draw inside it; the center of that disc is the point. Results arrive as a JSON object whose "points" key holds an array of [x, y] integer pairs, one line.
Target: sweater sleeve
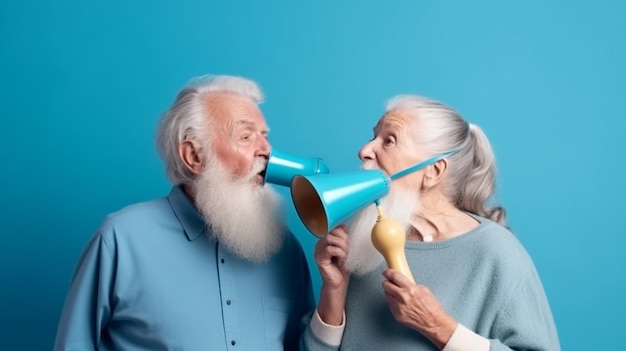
{"points": [[525, 322]]}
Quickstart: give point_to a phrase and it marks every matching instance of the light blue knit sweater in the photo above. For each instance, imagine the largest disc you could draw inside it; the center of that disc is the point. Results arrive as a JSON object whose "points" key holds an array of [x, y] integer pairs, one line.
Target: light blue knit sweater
{"points": [[484, 279]]}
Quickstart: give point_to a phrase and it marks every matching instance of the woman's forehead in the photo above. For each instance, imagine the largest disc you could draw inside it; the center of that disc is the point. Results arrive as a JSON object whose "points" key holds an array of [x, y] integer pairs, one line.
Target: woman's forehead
{"points": [[394, 119]]}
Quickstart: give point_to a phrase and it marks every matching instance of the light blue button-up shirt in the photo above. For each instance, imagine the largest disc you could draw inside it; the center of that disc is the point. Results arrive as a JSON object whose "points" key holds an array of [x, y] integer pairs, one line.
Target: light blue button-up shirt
{"points": [[151, 279]]}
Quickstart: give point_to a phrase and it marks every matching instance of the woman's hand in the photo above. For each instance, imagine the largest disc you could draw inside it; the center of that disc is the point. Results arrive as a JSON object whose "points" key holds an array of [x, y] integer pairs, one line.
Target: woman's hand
{"points": [[416, 307], [330, 255]]}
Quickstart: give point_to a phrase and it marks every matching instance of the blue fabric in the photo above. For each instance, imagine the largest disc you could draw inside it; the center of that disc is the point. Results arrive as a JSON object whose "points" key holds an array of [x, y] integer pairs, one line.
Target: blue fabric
{"points": [[151, 279]]}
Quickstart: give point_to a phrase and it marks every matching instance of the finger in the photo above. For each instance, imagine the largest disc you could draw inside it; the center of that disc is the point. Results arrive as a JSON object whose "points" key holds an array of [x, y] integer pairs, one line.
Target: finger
{"points": [[337, 240], [392, 299], [397, 278], [341, 230], [333, 251], [325, 248], [329, 251], [391, 288], [320, 246]]}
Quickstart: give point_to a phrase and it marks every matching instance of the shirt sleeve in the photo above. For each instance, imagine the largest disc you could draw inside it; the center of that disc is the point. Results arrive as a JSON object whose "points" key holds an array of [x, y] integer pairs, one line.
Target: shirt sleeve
{"points": [[330, 334], [320, 336], [87, 307], [464, 339], [306, 300]]}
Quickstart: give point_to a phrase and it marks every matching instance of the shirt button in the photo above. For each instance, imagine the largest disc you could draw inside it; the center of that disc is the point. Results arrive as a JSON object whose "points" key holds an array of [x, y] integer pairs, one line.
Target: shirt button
{"points": [[233, 342], [228, 303]]}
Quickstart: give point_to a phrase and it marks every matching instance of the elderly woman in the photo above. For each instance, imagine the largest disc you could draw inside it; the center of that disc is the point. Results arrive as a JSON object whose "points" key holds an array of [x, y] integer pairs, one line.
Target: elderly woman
{"points": [[476, 286]]}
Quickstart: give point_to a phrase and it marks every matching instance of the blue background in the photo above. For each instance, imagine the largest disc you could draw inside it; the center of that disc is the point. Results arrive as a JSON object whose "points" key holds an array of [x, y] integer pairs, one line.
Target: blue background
{"points": [[82, 84]]}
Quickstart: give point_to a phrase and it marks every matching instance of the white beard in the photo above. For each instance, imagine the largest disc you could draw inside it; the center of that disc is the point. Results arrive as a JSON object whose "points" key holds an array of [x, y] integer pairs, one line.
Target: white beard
{"points": [[362, 256], [241, 215]]}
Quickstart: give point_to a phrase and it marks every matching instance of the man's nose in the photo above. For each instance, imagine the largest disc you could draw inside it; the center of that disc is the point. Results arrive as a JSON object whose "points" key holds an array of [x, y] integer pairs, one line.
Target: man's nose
{"points": [[264, 148]]}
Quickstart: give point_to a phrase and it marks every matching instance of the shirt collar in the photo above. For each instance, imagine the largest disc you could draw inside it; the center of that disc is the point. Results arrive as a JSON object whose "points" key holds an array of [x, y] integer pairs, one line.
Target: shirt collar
{"points": [[186, 212]]}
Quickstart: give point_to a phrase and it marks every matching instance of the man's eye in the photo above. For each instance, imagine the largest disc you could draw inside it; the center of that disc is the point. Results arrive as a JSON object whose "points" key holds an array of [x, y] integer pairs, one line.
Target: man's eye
{"points": [[390, 140]]}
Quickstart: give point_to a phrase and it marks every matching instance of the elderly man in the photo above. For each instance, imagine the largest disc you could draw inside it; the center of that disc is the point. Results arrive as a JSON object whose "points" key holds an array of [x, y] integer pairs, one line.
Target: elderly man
{"points": [[211, 266], [476, 288]]}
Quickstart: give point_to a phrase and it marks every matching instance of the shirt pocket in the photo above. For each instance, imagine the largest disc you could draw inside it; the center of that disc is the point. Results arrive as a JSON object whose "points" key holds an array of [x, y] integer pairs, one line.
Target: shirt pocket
{"points": [[275, 317]]}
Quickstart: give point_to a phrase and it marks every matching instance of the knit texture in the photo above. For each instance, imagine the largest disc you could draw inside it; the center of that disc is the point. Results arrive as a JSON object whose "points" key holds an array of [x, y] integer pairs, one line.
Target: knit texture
{"points": [[485, 279]]}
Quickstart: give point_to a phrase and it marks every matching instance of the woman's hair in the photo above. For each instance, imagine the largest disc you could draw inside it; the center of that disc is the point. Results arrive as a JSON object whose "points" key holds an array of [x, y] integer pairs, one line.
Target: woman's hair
{"points": [[470, 181], [187, 119]]}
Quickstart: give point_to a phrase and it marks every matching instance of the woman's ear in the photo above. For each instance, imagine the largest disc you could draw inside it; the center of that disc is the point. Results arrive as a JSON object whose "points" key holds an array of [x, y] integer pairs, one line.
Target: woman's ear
{"points": [[190, 155], [433, 174]]}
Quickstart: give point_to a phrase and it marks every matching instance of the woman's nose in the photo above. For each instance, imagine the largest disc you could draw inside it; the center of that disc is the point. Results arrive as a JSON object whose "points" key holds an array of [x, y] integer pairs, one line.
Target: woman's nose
{"points": [[367, 152]]}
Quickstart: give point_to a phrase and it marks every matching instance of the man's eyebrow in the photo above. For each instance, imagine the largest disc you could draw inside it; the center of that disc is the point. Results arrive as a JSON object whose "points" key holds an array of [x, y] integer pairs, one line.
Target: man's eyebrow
{"points": [[250, 124], [245, 122]]}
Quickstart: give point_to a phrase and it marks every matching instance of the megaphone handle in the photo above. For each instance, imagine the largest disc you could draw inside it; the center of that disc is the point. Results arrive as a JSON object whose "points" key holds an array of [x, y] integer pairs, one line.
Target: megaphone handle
{"points": [[388, 238], [399, 263]]}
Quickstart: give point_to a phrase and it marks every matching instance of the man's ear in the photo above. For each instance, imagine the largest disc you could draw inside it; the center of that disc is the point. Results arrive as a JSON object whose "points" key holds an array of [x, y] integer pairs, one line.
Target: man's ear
{"points": [[190, 155], [433, 174]]}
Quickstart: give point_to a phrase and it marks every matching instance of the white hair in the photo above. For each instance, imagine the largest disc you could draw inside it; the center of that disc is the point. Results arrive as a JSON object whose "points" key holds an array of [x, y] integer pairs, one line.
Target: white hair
{"points": [[244, 217], [186, 119], [470, 181]]}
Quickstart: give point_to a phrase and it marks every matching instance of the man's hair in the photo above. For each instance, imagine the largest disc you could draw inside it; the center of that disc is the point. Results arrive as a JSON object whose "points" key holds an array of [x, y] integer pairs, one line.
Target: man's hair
{"points": [[470, 181], [187, 119]]}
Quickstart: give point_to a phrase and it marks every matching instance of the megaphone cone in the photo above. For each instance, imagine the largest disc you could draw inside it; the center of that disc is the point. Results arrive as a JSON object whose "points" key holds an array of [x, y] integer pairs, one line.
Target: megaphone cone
{"points": [[325, 200], [282, 167]]}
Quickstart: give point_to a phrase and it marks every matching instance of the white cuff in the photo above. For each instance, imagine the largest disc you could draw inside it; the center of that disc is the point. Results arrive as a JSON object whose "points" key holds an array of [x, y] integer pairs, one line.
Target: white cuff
{"points": [[330, 334], [464, 339]]}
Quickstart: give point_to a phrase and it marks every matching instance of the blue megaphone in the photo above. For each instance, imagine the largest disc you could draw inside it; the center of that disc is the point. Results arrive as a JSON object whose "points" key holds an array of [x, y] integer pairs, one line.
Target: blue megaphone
{"points": [[282, 167], [323, 201]]}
